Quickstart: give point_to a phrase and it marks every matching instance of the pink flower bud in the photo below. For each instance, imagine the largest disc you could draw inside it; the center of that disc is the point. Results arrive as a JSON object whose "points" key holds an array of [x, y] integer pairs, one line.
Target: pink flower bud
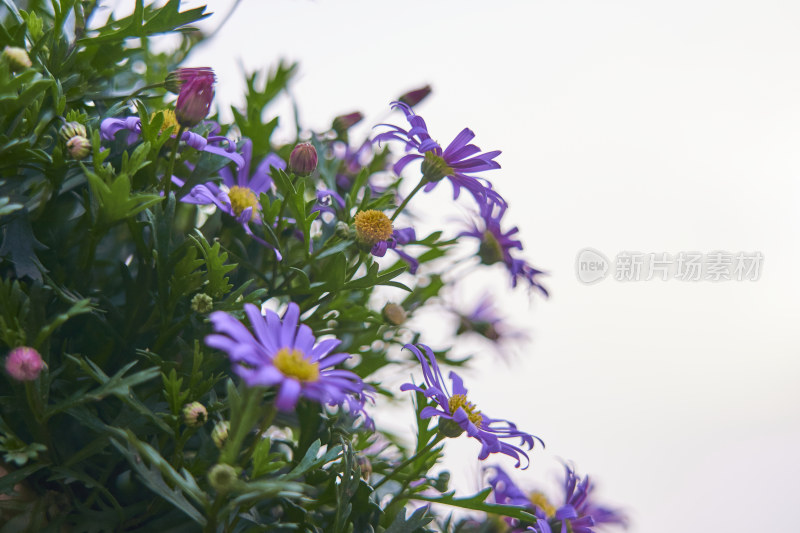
{"points": [[414, 97], [178, 77], [194, 100], [303, 159], [24, 364]]}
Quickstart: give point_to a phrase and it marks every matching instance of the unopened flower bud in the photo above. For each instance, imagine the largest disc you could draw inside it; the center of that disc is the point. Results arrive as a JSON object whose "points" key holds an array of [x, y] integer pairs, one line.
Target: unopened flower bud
{"points": [[194, 100], [442, 481], [365, 466], [394, 314], [79, 147], [24, 364], [202, 303], [220, 433], [414, 97], [222, 477], [303, 159], [194, 414], [343, 230], [343, 123], [17, 58], [175, 79], [72, 129]]}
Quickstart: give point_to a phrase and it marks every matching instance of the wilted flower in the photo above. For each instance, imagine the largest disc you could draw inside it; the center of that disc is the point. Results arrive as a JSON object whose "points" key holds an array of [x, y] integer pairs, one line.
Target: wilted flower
{"points": [[220, 433], [24, 363], [195, 414], [375, 231], [303, 159], [78, 147], [238, 196], [458, 415], [412, 98], [496, 245], [453, 163], [194, 99], [176, 79], [286, 354], [17, 58]]}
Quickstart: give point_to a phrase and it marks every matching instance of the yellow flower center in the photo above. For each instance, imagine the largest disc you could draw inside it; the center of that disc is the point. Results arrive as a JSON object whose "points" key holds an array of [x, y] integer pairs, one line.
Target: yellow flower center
{"points": [[293, 364], [540, 500], [169, 120], [460, 400], [372, 226], [241, 198]]}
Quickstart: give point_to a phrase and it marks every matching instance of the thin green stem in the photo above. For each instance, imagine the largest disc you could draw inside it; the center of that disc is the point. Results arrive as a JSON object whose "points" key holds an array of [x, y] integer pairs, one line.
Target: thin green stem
{"points": [[408, 198], [408, 461], [266, 422]]}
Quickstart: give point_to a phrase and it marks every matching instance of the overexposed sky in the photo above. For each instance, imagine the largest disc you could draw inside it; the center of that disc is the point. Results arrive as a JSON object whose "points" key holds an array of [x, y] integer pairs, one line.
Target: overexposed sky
{"points": [[625, 126]]}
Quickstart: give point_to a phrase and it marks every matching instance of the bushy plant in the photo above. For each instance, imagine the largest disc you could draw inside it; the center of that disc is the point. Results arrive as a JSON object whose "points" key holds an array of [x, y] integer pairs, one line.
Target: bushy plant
{"points": [[188, 308]]}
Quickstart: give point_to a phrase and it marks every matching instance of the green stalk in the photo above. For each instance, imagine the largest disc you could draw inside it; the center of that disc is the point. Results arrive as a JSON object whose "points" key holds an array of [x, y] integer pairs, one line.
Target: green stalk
{"points": [[408, 198], [171, 168]]}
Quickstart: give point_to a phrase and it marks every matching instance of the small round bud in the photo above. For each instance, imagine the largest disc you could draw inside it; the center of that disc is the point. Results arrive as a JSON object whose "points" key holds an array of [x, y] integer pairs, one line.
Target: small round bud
{"points": [[365, 466], [17, 58], [303, 159], [442, 481], [195, 414], [202, 303], [78, 147], [394, 314], [222, 477], [343, 230], [220, 433], [24, 364], [414, 97], [72, 129]]}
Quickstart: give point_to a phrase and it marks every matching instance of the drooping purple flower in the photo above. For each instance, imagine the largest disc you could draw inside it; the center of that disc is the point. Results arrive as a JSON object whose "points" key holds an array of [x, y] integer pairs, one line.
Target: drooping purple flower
{"points": [[458, 415], [326, 198], [456, 162], [496, 245], [374, 229], [133, 125], [238, 196], [286, 354]]}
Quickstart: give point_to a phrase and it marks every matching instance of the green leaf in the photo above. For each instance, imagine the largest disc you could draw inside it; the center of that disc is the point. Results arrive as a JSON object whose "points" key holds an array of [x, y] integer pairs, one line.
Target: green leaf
{"points": [[418, 519], [216, 268], [478, 503]]}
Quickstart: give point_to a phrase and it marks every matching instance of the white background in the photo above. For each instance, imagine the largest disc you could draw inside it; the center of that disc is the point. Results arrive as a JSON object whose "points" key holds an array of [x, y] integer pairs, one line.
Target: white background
{"points": [[625, 125]]}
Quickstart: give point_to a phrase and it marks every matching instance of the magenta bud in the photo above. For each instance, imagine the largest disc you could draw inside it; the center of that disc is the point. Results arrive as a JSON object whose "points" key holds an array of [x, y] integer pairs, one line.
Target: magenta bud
{"points": [[303, 159], [345, 122], [194, 100], [178, 77], [24, 364], [414, 97]]}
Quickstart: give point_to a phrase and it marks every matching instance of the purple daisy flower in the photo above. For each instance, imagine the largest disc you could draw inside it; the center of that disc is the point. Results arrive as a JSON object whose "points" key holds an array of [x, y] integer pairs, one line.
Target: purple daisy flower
{"points": [[456, 162], [496, 245], [286, 354], [458, 415], [238, 196], [133, 125], [374, 229]]}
